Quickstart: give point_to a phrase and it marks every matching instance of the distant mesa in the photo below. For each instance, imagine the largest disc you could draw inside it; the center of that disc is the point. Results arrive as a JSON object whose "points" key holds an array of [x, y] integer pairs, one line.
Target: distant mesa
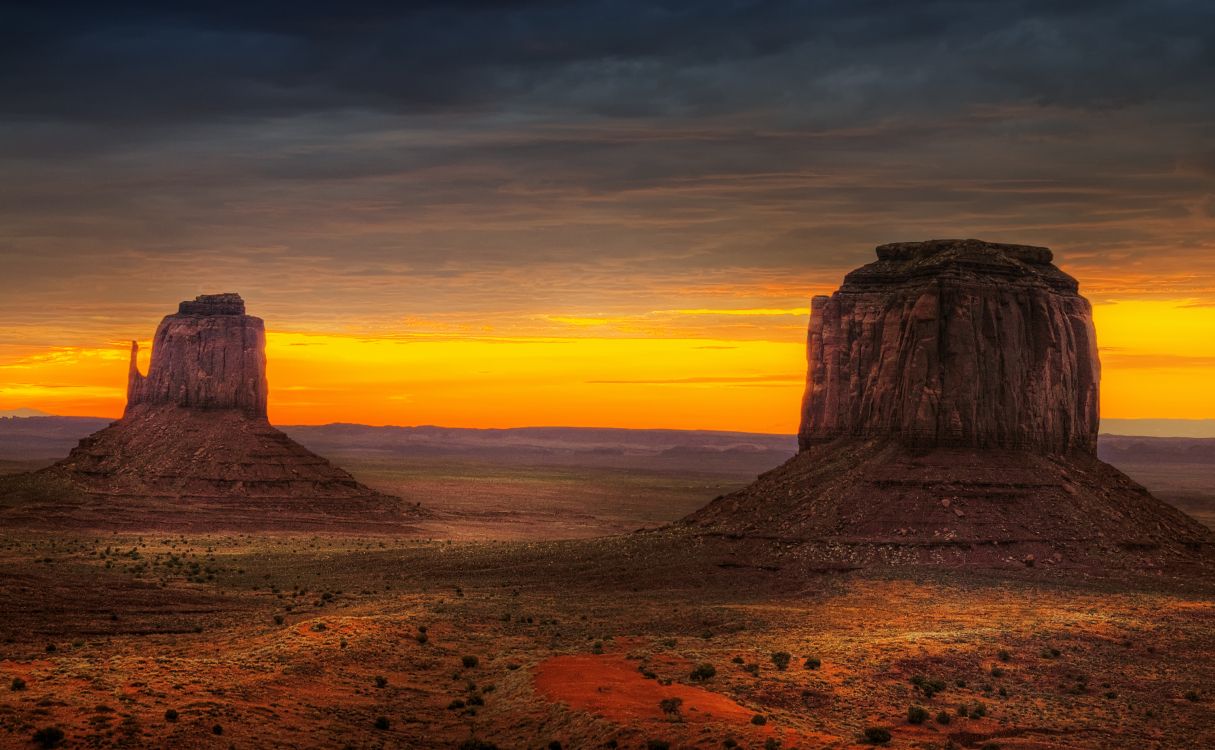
{"points": [[195, 449], [24, 413], [951, 416]]}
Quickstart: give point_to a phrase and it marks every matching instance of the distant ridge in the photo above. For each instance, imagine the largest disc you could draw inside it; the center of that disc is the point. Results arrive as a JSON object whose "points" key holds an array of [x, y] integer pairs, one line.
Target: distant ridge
{"points": [[1182, 428]]}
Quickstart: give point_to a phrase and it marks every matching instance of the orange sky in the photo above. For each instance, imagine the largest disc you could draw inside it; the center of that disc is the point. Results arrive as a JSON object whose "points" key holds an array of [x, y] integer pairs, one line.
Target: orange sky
{"points": [[588, 213], [591, 370]]}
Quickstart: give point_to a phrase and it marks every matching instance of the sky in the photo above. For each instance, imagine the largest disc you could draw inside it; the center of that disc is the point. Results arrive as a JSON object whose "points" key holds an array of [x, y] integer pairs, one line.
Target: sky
{"points": [[585, 213]]}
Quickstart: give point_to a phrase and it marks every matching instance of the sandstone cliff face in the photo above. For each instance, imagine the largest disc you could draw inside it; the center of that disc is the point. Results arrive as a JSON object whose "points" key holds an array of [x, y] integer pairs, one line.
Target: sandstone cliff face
{"points": [[954, 343], [195, 450], [950, 418], [210, 355]]}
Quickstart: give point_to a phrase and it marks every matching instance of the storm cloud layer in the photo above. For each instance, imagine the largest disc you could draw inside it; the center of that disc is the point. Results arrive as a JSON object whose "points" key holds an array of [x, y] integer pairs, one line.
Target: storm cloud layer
{"points": [[510, 165]]}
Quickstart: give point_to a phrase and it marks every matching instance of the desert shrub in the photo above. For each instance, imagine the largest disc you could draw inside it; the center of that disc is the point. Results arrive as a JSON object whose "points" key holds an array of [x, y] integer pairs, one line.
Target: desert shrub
{"points": [[759, 720], [877, 735], [963, 711], [738, 660], [469, 662], [771, 744], [997, 672], [670, 705], [48, 736], [597, 647], [51, 648], [929, 687], [978, 711], [381, 681], [217, 729], [813, 662], [476, 700], [1111, 694], [421, 637], [319, 627], [703, 672], [729, 742], [751, 669], [781, 659], [171, 715], [554, 745], [917, 715], [1049, 653], [1191, 695], [455, 705], [943, 717], [382, 722], [1003, 655], [278, 619], [657, 745], [17, 684]]}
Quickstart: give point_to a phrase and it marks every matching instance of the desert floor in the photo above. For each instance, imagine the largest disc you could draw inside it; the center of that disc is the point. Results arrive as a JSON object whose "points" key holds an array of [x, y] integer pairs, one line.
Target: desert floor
{"points": [[482, 627]]}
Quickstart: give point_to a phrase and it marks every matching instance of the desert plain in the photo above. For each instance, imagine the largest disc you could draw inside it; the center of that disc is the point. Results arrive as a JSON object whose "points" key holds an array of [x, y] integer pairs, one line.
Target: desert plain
{"points": [[535, 607]]}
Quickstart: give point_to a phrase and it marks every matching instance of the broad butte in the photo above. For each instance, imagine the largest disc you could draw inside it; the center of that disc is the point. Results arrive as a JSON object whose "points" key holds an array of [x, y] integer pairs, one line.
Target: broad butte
{"points": [[194, 448], [954, 342], [951, 416]]}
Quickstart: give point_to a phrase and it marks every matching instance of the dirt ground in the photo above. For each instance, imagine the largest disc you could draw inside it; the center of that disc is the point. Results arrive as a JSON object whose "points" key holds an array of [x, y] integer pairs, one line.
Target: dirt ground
{"points": [[281, 641]]}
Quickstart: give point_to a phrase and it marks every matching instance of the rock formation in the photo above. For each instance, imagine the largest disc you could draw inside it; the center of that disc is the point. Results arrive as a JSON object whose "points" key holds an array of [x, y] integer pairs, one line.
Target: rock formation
{"points": [[954, 342], [951, 414], [210, 355], [194, 448]]}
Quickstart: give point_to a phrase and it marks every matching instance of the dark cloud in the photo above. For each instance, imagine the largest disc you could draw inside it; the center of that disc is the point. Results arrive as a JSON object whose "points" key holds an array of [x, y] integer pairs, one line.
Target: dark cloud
{"points": [[496, 158]]}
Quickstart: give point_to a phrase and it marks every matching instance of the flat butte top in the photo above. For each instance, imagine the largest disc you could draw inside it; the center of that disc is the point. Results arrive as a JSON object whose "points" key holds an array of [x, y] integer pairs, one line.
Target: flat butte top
{"points": [[969, 261]]}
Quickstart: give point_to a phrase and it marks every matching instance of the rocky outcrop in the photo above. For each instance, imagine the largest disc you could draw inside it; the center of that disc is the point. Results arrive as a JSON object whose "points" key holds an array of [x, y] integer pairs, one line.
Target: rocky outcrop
{"points": [[958, 343], [209, 355], [950, 417], [194, 449]]}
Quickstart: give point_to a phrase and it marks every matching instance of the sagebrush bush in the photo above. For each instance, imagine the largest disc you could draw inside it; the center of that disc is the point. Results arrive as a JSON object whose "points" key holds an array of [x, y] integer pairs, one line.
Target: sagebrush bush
{"points": [[781, 659]]}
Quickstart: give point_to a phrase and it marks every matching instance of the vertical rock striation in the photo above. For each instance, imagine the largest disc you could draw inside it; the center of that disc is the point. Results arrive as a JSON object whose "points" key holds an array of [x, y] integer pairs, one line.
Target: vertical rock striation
{"points": [[209, 355], [950, 417], [954, 342]]}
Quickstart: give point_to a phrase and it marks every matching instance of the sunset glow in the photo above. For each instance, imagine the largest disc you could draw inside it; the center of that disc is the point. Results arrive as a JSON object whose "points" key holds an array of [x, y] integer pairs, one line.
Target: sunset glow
{"points": [[1158, 361]]}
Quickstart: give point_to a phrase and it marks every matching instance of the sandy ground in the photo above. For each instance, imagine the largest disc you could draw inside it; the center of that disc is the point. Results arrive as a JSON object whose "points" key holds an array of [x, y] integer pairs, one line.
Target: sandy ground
{"points": [[279, 642]]}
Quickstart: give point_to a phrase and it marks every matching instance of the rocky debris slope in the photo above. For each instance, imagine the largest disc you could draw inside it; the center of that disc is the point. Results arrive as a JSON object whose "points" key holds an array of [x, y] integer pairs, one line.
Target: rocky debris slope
{"points": [[194, 448], [950, 416]]}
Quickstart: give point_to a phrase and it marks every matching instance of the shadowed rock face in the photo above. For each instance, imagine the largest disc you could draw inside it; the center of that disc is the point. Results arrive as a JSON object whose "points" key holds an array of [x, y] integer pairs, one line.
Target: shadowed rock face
{"points": [[210, 355], [954, 343], [950, 417]]}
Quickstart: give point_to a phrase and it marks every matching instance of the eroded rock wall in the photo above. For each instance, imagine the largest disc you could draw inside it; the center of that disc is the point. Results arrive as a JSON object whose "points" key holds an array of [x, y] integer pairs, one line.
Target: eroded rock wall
{"points": [[954, 343], [209, 355]]}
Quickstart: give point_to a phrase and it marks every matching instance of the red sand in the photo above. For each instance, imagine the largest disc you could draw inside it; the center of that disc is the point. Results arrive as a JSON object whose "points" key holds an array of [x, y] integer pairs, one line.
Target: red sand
{"points": [[610, 686]]}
